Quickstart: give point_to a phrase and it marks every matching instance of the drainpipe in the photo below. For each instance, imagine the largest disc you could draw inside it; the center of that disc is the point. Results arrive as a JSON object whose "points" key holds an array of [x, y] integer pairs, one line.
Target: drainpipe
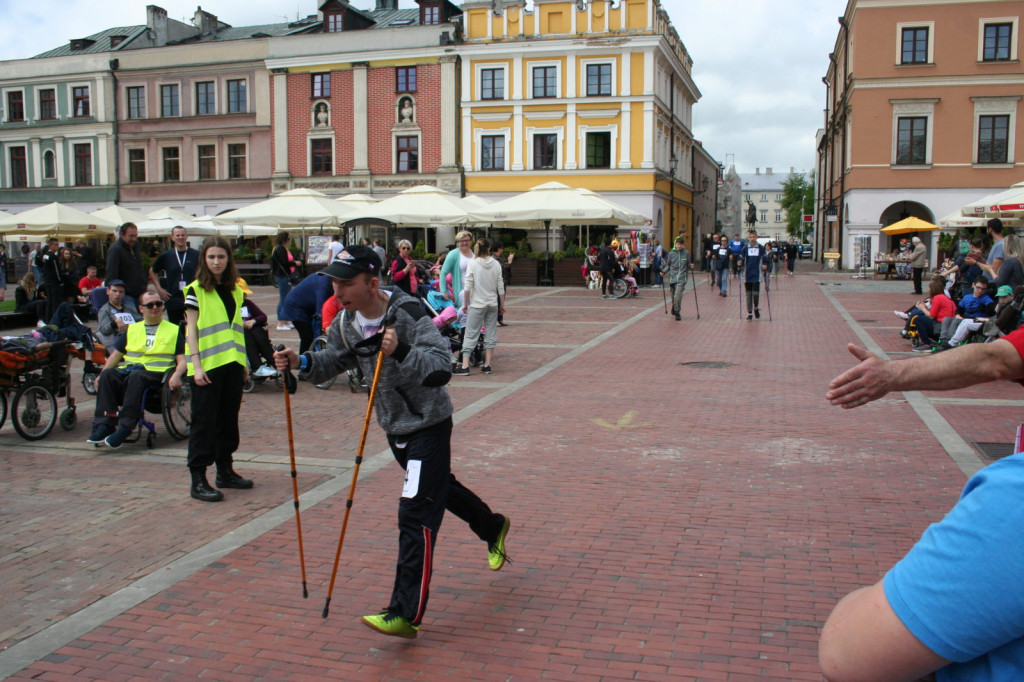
{"points": [[114, 65], [841, 209]]}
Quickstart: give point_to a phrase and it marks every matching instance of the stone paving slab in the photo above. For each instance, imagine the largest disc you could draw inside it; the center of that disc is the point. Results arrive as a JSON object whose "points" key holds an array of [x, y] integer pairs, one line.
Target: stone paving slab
{"points": [[670, 520]]}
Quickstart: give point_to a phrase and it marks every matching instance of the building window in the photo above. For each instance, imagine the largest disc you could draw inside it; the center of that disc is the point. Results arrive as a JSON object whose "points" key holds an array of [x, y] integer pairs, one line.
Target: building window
{"points": [[236, 161], [333, 22], [47, 104], [83, 164], [599, 79], [764, 196], [320, 85], [80, 101], [545, 148], [16, 106], [993, 134], [778, 216], [914, 45], [169, 104], [492, 152], [49, 165], [321, 156], [206, 154], [997, 42], [19, 167], [205, 103], [911, 140], [764, 216], [137, 102], [405, 79], [599, 150], [778, 197], [237, 101], [545, 81], [136, 165], [408, 148], [492, 83], [172, 164], [430, 14]]}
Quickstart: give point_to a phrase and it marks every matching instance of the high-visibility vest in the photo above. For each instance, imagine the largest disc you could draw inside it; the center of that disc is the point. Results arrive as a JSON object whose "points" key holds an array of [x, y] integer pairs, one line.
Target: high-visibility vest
{"points": [[160, 356], [221, 341]]}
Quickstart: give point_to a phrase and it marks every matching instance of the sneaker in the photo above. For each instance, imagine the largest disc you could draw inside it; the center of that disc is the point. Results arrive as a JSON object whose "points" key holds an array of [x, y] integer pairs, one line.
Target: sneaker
{"points": [[923, 348], [757, 313], [390, 624], [116, 439], [100, 433], [265, 371], [496, 556], [486, 369], [749, 317], [461, 371], [900, 314]]}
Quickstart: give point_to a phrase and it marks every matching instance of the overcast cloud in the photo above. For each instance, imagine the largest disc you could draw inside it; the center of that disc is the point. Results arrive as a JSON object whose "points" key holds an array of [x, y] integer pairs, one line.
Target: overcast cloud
{"points": [[757, 63]]}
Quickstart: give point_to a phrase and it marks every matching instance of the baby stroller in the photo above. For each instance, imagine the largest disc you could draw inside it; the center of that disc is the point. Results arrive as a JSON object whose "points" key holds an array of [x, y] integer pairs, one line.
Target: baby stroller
{"points": [[446, 319]]}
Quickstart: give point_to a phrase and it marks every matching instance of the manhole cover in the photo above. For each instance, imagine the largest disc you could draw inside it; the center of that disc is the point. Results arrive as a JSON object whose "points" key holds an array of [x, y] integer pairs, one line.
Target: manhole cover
{"points": [[994, 451], [830, 284], [707, 365], [867, 320]]}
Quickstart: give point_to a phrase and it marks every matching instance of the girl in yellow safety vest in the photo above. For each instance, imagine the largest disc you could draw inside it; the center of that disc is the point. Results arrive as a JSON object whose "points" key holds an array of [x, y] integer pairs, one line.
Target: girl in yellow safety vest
{"points": [[215, 344]]}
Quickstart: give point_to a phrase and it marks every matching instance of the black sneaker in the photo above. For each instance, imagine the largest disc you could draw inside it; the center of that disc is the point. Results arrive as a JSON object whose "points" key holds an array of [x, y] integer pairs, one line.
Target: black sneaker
{"points": [[923, 348], [486, 369], [100, 433], [460, 371], [749, 317], [757, 313], [117, 438]]}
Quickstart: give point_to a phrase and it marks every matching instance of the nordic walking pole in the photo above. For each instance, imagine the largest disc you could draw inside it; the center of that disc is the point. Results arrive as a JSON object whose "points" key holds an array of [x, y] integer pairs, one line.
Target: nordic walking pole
{"points": [[355, 473], [664, 297], [697, 305], [768, 298], [286, 375]]}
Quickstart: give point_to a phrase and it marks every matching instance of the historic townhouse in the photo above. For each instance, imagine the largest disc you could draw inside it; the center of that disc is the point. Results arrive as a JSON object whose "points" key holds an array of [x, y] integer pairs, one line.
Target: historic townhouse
{"points": [[594, 94], [764, 191], [921, 117], [368, 105]]}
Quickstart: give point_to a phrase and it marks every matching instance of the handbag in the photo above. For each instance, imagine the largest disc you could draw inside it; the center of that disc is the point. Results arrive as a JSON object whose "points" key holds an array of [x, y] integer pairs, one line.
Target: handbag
{"points": [[294, 277]]}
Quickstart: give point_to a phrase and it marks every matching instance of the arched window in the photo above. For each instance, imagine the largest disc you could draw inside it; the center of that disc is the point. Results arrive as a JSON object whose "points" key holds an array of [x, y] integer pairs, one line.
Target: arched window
{"points": [[49, 166]]}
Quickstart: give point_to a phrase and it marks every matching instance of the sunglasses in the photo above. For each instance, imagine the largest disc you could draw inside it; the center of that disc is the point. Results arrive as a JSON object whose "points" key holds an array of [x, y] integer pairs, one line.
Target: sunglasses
{"points": [[157, 304]]}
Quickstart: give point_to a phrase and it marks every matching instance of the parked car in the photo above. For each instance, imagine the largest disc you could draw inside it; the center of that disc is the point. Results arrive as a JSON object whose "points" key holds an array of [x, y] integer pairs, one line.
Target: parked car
{"points": [[807, 251]]}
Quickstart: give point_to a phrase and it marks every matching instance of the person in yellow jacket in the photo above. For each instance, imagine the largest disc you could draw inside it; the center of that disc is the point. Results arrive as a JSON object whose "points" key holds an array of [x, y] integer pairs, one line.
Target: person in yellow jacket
{"points": [[148, 350], [215, 346]]}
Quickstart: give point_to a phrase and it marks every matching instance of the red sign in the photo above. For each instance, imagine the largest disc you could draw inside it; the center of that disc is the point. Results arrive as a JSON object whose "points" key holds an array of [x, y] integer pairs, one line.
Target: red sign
{"points": [[808, 218]]}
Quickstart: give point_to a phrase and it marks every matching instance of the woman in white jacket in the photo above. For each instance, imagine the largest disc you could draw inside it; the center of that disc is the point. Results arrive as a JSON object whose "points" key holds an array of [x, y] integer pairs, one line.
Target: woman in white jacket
{"points": [[484, 290]]}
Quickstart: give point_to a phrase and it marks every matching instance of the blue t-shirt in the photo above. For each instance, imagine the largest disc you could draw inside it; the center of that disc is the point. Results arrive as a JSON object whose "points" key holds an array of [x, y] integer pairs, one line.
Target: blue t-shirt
{"points": [[960, 589], [996, 252], [736, 246], [977, 306]]}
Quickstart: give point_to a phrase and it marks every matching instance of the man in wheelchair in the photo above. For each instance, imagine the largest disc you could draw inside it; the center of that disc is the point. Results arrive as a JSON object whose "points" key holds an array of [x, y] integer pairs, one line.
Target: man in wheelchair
{"points": [[149, 349]]}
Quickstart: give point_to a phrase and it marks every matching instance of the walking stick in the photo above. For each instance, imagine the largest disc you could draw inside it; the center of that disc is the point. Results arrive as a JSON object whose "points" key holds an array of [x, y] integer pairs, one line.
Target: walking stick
{"points": [[664, 297], [355, 474], [295, 481], [768, 298], [697, 305]]}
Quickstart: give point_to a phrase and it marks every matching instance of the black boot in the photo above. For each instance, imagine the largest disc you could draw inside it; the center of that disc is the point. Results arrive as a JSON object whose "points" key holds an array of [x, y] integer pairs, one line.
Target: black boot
{"points": [[227, 478], [201, 489]]}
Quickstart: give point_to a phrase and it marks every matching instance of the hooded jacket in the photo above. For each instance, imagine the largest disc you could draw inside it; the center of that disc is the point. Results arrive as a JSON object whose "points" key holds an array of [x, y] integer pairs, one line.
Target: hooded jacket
{"points": [[410, 392], [484, 282]]}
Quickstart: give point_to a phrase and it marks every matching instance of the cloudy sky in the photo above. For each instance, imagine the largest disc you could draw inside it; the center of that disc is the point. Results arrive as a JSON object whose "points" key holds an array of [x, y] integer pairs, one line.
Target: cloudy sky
{"points": [[757, 63]]}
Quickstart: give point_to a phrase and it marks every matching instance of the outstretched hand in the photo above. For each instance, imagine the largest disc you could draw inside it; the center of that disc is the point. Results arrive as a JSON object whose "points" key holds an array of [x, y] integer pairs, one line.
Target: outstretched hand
{"points": [[869, 380]]}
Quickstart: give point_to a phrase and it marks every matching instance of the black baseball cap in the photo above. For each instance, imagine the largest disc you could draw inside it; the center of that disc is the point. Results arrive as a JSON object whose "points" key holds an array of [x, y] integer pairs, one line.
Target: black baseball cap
{"points": [[115, 283], [353, 261]]}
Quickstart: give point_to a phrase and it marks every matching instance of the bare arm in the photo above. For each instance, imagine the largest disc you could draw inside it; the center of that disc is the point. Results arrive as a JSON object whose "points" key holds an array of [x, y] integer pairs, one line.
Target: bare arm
{"points": [[873, 378], [113, 360], [864, 640], [155, 280]]}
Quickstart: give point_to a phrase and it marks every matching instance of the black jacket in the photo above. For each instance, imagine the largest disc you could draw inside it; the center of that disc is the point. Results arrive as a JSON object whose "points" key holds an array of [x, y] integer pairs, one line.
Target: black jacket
{"points": [[125, 263]]}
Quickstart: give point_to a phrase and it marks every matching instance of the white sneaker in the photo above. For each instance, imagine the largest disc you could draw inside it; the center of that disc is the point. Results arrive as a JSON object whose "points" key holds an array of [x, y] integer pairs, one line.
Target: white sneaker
{"points": [[265, 371], [900, 314]]}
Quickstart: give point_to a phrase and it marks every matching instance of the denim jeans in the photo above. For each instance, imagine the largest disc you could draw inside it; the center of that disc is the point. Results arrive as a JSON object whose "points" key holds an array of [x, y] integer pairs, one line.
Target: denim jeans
{"points": [[283, 287]]}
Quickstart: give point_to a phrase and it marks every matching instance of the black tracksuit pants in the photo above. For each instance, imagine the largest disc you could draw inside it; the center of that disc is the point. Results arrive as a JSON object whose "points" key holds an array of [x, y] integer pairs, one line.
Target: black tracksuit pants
{"points": [[116, 387], [213, 438], [430, 489]]}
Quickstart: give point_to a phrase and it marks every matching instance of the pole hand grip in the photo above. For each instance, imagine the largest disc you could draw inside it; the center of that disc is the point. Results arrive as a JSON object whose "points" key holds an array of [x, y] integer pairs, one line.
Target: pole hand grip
{"points": [[290, 381]]}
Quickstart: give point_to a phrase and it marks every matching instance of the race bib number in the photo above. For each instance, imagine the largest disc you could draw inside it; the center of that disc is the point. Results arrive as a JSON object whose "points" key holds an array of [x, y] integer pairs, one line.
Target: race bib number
{"points": [[753, 251], [723, 251], [245, 312], [125, 317], [412, 478]]}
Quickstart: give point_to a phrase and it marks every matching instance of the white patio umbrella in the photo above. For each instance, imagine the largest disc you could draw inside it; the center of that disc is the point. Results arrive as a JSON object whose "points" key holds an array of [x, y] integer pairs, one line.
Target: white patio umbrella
{"points": [[119, 214], [957, 220], [169, 214], [294, 208], [420, 205], [989, 205], [56, 219], [354, 201], [161, 227], [238, 231]]}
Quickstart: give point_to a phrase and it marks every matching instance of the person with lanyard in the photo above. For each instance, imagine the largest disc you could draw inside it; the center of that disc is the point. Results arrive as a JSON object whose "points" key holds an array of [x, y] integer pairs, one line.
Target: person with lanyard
{"points": [[754, 262], [177, 267], [677, 267], [414, 410], [215, 345], [149, 349]]}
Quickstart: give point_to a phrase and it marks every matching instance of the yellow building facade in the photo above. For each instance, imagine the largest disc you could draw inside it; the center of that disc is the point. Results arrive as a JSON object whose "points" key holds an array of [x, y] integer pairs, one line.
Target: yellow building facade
{"points": [[589, 94]]}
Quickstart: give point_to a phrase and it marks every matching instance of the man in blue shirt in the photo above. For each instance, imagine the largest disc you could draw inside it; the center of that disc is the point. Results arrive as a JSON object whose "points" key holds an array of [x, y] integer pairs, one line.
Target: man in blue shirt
{"points": [[753, 261], [735, 250]]}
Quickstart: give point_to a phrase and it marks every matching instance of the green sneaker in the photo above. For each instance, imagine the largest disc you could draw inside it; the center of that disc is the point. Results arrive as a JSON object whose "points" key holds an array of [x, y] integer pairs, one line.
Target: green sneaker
{"points": [[496, 550], [390, 624]]}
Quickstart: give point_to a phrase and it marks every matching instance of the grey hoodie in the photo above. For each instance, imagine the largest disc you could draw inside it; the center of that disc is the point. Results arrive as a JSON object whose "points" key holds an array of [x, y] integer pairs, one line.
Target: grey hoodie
{"points": [[410, 393], [483, 281]]}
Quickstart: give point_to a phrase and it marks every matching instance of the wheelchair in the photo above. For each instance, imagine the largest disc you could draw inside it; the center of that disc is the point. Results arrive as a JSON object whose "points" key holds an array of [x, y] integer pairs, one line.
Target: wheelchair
{"points": [[356, 381], [36, 377], [174, 405]]}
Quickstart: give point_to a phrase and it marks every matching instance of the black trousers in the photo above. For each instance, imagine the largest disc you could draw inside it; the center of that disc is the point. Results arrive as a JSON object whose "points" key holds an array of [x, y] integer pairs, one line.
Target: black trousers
{"points": [[116, 387], [306, 335], [429, 490], [917, 280], [213, 438], [753, 296], [607, 281], [54, 297], [258, 347]]}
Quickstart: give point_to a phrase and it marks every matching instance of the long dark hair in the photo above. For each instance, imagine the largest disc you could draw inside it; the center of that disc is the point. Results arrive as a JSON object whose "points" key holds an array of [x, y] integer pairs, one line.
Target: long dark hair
{"points": [[206, 278]]}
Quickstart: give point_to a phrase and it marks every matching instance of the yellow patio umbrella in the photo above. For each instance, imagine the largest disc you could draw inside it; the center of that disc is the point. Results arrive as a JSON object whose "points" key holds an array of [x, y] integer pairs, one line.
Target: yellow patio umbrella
{"points": [[910, 224]]}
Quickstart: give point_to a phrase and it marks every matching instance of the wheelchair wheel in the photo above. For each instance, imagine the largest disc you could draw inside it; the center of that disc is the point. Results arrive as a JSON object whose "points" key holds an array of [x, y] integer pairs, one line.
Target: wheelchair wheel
{"points": [[319, 343], [249, 385], [35, 411], [68, 418], [177, 410], [89, 382], [3, 408], [621, 288]]}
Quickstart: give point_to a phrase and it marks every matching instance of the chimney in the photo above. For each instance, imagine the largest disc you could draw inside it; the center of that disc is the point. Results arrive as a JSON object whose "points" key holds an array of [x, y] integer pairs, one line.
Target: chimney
{"points": [[156, 21], [387, 4], [768, 170], [204, 22], [757, 171]]}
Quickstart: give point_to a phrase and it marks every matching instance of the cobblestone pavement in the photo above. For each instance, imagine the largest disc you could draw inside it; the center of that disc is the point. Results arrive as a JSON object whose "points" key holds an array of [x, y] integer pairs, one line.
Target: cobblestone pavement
{"points": [[684, 505]]}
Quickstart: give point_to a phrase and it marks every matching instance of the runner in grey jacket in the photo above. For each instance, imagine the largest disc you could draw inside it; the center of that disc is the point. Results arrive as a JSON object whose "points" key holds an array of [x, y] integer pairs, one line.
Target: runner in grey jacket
{"points": [[414, 410]]}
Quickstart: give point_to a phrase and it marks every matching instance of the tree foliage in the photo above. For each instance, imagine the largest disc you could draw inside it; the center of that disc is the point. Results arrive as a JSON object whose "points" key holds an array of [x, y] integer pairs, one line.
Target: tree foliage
{"points": [[797, 199]]}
